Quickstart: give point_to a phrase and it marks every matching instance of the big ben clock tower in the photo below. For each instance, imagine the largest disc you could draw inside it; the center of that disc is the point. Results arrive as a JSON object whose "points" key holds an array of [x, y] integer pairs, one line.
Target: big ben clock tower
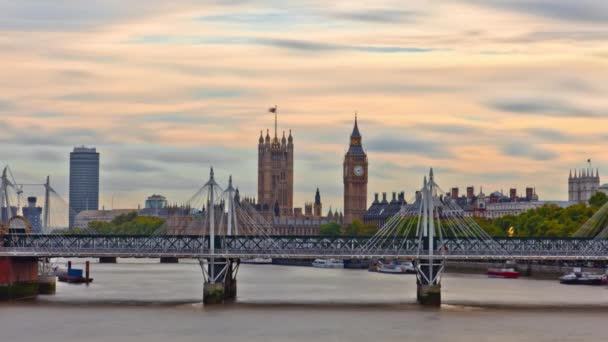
{"points": [[355, 178]]}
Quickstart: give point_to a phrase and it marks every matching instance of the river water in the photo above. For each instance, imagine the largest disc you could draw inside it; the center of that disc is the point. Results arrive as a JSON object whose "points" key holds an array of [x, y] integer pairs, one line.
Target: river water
{"points": [[142, 300]]}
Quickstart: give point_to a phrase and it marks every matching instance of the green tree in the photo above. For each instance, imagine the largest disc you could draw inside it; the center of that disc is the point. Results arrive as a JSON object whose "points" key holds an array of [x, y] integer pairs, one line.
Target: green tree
{"points": [[130, 224], [353, 228], [358, 228], [330, 229], [598, 200]]}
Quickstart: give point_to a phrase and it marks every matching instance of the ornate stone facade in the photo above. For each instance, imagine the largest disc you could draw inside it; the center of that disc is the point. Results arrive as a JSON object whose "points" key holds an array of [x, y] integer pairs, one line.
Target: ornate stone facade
{"points": [[275, 174], [583, 184]]}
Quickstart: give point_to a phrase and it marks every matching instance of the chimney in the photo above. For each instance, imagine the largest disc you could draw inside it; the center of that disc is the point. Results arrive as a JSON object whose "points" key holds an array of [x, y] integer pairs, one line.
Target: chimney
{"points": [[513, 195], [454, 194], [384, 197], [394, 197], [529, 194], [376, 198], [470, 192]]}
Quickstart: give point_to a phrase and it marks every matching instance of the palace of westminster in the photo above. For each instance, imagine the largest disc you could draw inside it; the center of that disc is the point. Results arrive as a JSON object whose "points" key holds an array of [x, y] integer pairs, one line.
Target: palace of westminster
{"points": [[276, 183]]}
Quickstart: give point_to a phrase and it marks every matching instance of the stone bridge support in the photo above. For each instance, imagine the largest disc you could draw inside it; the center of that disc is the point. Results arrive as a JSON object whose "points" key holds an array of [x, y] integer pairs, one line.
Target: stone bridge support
{"points": [[220, 283], [19, 279], [428, 281]]}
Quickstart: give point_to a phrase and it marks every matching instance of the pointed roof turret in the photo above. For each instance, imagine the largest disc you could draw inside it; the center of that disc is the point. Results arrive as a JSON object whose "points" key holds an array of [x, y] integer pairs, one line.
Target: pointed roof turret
{"points": [[318, 197], [570, 176], [356, 133], [268, 136], [290, 138], [283, 140], [355, 148], [261, 138]]}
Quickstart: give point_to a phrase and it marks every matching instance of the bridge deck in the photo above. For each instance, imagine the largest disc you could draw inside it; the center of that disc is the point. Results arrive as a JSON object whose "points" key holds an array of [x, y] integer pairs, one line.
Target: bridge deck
{"points": [[305, 247]]}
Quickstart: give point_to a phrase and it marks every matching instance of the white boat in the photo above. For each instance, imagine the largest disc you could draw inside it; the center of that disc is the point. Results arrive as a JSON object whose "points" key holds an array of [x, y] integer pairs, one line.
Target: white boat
{"points": [[328, 263], [257, 261], [406, 267]]}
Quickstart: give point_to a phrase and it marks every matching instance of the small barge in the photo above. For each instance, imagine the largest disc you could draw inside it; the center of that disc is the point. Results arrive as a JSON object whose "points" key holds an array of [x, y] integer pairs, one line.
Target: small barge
{"points": [[508, 273]]}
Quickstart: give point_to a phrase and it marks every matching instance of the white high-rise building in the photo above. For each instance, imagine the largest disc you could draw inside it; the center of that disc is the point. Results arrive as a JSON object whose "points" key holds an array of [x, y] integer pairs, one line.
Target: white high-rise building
{"points": [[583, 184]]}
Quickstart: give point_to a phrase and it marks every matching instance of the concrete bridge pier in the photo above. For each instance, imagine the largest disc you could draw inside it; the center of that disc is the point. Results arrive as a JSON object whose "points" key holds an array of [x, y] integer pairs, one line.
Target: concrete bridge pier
{"points": [[428, 282], [230, 287], [219, 280], [18, 278]]}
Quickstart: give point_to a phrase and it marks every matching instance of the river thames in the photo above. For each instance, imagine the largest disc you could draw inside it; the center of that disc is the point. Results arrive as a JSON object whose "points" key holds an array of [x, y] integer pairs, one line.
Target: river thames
{"points": [[145, 301]]}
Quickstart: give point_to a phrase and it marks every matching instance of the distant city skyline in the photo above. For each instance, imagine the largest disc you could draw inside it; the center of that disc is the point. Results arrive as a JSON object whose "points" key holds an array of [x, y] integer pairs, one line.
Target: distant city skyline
{"points": [[495, 93]]}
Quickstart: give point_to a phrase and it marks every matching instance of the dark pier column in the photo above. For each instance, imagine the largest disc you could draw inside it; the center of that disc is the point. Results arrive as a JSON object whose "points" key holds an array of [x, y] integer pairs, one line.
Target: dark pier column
{"points": [[428, 282]]}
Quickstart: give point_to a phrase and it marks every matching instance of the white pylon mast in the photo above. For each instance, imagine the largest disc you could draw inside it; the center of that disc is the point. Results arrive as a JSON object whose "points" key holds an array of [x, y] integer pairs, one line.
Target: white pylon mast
{"points": [[47, 203], [425, 226], [211, 209], [431, 216], [230, 192]]}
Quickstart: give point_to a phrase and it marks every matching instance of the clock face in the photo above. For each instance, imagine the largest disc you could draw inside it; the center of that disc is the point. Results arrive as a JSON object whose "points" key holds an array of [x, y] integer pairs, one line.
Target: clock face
{"points": [[359, 171]]}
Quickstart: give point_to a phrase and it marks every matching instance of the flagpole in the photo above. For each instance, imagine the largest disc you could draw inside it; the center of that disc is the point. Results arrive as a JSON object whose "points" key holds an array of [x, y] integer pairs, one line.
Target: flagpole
{"points": [[275, 121]]}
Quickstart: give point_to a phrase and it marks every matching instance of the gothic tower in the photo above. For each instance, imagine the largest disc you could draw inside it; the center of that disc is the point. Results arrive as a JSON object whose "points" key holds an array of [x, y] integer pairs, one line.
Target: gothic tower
{"points": [[275, 174], [318, 206], [355, 178]]}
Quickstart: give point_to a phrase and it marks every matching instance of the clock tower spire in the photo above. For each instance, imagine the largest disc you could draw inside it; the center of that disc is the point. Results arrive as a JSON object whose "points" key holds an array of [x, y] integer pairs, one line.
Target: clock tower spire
{"points": [[355, 178]]}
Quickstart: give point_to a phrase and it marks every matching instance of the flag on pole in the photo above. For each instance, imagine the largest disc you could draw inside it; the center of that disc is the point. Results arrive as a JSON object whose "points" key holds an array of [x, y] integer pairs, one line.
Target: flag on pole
{"points": [[589, 160], [272, 109]]}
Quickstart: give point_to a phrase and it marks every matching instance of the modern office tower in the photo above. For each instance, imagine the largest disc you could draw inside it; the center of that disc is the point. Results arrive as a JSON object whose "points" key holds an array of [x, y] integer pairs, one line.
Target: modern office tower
{"points": [[84, 181]]}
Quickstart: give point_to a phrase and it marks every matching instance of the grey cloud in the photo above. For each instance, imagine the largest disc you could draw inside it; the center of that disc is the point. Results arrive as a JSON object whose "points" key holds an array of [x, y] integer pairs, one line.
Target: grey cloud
{"points": [[528, 150], [303, 45], [4, 105], [63, 15], [449, 129], [131, 166], [290, 44], [580, 11], [577, 36], [551, 135], [409, 145], [378, 15], [545, 107]]}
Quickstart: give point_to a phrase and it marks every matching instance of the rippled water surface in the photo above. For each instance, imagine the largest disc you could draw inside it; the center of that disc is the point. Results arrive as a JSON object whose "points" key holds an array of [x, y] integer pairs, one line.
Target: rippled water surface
{"points": [[146, 301]]}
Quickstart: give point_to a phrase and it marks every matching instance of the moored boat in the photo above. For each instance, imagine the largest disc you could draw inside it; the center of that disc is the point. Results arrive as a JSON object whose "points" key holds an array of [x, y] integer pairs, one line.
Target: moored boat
{"points": [[257, 261], [394, 267], [328, 263], [73, 276], [504, 272], [583, 278]]}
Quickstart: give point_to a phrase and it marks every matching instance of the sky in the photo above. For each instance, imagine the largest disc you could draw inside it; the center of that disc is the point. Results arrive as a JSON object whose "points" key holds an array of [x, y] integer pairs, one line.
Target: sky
{"points": [[492, 93]]}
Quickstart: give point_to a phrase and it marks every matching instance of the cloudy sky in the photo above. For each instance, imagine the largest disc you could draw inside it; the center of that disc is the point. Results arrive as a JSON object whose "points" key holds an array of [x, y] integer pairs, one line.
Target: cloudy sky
{"points": [[498, 93]]}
